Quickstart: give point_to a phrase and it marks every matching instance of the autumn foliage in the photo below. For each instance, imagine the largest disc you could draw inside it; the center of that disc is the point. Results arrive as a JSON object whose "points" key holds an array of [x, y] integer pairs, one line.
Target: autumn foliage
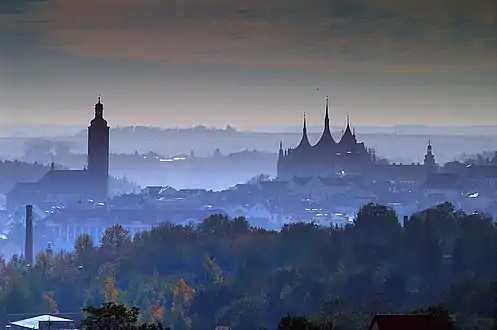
{"points": [[223, 272]]}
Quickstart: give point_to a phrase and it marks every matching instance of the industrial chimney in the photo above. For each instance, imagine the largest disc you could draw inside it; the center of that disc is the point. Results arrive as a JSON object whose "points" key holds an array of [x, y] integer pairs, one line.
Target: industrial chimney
{"points": [[28, 253]]}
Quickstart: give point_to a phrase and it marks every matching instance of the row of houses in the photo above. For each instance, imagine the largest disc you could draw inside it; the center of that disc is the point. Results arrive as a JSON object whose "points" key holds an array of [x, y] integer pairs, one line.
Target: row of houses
{"points": [[268, 204]]}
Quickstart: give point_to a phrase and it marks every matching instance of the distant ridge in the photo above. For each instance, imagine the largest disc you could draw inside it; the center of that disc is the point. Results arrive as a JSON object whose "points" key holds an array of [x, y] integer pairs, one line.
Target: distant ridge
{"points": [[67, 130]]}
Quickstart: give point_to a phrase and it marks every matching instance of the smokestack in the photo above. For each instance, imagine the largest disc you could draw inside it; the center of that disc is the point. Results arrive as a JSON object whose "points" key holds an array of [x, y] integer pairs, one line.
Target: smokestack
{"points": [[28, 253]]}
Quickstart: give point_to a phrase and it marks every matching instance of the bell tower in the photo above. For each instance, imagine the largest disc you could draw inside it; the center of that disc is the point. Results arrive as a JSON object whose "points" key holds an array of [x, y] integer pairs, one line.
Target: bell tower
{"points": [[429, 161], [98, 152]]}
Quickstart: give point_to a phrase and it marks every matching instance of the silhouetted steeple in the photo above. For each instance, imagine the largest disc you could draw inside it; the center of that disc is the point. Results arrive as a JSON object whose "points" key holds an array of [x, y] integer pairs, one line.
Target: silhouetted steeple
{"points": [[98, 151], [326, 139], [99, 109], [429, 158], [348, 138], [327, 117], [304, 143], [280, 154]]}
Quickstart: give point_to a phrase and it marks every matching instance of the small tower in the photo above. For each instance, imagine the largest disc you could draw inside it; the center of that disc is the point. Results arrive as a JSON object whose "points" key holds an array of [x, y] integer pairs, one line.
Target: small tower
{"points": [[98, 152], [281, 155], [429, 161]]}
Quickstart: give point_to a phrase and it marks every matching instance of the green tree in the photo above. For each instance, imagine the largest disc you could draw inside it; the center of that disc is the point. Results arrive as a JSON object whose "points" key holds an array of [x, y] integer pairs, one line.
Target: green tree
{"points": [[111, 316]]}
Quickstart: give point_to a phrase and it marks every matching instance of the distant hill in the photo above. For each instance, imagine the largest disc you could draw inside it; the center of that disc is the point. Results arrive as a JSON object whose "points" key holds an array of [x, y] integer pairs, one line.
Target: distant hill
{"points": [[400, 144], [19, 131]]}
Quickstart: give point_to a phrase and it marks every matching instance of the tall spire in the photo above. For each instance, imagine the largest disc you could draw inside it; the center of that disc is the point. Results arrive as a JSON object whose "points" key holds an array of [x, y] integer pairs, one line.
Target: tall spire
{"points": [[304, 143], [304, 130], [327, 116], [327, 129], [348, 137], [326, 139]]}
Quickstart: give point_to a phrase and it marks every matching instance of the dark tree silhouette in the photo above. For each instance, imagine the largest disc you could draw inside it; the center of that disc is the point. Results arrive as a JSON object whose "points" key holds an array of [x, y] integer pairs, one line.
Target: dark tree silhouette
{"points": [[111, 316]]}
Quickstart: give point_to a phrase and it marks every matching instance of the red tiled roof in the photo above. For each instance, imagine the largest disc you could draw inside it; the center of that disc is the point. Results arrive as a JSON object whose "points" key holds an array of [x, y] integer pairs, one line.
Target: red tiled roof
{"points": [[409, 322]]}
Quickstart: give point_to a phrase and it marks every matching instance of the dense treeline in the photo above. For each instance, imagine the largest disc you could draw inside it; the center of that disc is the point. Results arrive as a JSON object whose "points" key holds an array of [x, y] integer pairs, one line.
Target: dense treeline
{"points": [[223, 272]]}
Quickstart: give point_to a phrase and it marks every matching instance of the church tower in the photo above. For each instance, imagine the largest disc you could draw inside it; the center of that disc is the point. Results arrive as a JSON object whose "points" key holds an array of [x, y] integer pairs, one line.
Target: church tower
{"points": [[98, 152], [429, 161]]}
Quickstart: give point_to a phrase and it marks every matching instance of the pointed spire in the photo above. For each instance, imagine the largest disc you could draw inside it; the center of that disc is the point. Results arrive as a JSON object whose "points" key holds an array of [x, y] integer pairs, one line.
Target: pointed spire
{"points": [[327, 117], [305, 125], [304, 143], [348, 136], [326, 138]]}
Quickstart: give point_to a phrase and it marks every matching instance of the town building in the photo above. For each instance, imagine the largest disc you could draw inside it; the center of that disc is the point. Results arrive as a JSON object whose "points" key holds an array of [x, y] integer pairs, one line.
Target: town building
{"points": [[61, 186]]}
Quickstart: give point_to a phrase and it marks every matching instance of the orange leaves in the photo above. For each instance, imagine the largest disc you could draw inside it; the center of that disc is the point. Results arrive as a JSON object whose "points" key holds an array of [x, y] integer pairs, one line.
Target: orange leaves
{"points": [[50, 304], [111, 292], [182, 291], [158, 312]]}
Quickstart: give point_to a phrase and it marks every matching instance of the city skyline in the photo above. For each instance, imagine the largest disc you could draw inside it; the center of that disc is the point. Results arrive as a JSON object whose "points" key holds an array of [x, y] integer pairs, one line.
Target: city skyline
{"points": [[249, 64]]}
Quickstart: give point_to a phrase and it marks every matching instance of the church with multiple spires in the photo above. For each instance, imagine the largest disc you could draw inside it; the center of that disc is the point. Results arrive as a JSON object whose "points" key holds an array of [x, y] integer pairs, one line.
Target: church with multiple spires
{"points": [[329, 158]]}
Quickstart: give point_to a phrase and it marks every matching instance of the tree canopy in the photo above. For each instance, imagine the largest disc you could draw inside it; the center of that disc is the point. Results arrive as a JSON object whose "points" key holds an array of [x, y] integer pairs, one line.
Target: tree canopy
{"points": [[226, 273]]}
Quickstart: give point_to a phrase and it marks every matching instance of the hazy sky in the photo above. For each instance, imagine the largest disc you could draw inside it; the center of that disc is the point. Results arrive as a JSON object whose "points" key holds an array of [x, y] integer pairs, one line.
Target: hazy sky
{"points": [[249, 62]]}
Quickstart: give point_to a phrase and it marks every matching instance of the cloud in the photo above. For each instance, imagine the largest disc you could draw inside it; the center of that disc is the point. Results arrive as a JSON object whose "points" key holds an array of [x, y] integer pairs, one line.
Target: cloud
{"points": [[321, 35]]}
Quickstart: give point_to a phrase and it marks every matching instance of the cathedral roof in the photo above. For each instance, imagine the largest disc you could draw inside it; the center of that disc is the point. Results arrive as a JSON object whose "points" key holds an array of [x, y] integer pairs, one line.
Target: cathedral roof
{"points": [[326, 140], [348, 137], [304, 142]]}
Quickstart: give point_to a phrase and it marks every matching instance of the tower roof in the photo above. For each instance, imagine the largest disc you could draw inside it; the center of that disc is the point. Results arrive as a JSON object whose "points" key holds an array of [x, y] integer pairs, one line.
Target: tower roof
{"points": [[304, 142], [326, 139], [348, 136], [99, 112]]}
